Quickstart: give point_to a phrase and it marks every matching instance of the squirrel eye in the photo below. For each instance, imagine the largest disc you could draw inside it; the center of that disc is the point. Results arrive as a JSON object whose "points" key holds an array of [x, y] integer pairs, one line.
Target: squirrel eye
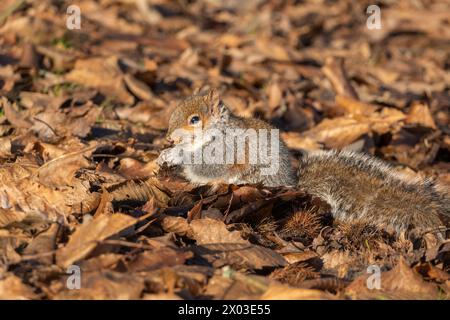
{"points": [[194, 120]]}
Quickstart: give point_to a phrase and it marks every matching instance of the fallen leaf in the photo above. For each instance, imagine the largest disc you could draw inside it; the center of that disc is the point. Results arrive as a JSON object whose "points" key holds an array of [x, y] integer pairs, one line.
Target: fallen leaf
{"points": [[207, 231], [105, 285], [12, 288], [402, 282], [282, 292], [157, 259], [103, 74], [87, 236], [43, 244], [239, 255], [420, 114]]}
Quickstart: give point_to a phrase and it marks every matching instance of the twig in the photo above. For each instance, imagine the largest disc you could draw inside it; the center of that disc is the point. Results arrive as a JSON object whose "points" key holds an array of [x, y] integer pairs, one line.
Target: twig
{"points": [[334, 71]]}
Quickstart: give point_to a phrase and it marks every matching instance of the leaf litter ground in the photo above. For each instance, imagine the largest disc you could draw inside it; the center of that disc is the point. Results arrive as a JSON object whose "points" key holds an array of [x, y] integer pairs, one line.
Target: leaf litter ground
{"points": [[83, 114]]}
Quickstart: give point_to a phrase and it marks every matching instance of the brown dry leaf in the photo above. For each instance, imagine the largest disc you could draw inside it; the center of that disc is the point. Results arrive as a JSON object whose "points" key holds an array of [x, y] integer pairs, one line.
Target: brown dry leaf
{"points": [[59, 172], [340, 261], [402, 282], [420, 114], [23, 196], [177, 225], [139, 88], [102, 262], [212, 213], [236, 285], [40, 101], [61, 59], [63, 91], [196, 212], [254, 210], [8, 246], [140, 190], [105, 285], [157, 259], [192, 277], [43, 244], [8, 216], [386, 120], [298, 141], [103, 74], [87, 236], [207, 231], [161, 296], [80, 120], [109, 18], [342, 131], [352, 106], [272, 50], [246, 194], [432, 272], [132, 169], [28, 199], [239, 255], [338, 132], [55, 123], [12, 288], [14, 116], [5, 147], [149, 113], [275, 95], [277, 291], [45, 150], [294, 257]]}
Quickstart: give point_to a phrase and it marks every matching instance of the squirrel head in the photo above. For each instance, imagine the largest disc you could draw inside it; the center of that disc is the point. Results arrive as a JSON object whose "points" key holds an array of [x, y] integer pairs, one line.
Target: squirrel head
{"points": [[200, 111]]}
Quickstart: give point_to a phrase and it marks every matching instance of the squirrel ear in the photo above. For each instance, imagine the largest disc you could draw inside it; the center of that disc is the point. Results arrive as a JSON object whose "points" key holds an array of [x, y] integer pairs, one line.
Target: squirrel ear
{"points": [[202, 91], [213, 99], [215, 105]]}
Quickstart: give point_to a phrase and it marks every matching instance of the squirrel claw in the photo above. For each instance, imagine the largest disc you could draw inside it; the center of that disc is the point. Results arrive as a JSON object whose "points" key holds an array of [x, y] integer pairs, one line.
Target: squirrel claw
{"points": [[162, 158]]}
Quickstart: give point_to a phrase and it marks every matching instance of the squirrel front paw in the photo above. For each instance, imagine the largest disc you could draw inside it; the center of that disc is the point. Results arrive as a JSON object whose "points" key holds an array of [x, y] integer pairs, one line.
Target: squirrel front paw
{"points": [[170, 157]]}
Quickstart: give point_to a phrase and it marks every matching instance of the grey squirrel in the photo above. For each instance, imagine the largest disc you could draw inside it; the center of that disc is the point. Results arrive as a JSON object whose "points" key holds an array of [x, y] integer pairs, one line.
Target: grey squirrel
{"points": [[358, 188]]}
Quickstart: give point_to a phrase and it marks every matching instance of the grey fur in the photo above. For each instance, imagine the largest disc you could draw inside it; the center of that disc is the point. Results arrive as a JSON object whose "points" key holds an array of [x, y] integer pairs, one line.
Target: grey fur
{"points": [[361, 188]]}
